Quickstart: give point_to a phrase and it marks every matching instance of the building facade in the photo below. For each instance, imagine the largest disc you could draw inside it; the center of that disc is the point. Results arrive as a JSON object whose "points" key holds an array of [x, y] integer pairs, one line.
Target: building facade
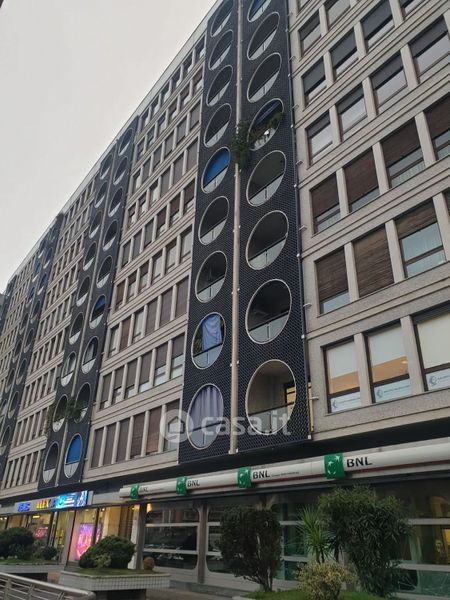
{"points": [[247, 300]]}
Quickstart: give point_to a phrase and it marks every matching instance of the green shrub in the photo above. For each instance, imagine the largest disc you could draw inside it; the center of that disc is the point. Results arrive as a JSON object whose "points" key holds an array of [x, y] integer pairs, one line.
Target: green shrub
{"points": [[323, 581], [119, 550], [20, 551], [102, 561], [16, 541], [49, 553]]}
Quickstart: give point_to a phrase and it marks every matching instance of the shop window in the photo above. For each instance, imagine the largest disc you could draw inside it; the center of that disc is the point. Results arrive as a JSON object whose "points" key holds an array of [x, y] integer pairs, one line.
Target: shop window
{"points": [[83, 534], [351, 111], [310, 32], [342, 377], [388, 364], [361, 181], [344, 54], [137, 435], [438, 119], [335, 9], [124, 428], [433, 334], [271, 397], [205, 416], [431, 49], [160, 365], [332, 281], [373, 262], [325, 204], [154, 422], [172, 427], [130, 385], [319, 137], [403, 154], [208, 341], [314, 81], [389, 80], [420, 240], [377, 23]]}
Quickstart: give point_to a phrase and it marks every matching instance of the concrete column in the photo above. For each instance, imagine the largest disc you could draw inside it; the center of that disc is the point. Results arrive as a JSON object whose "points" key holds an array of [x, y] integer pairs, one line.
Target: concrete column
{"points": [[371, 107], [360, 41], [380, 167], [412, 355], [130, 435], [115, 443], [328, 68], [102, 447], [443, 219], [397, 14], [335, 128], [145, 433], [342, 191], [202, 541], [351, 272], [363, 370], [139, 535], [425, 139], [395, 251], [163, 420], [408, 67], [323, 20]]}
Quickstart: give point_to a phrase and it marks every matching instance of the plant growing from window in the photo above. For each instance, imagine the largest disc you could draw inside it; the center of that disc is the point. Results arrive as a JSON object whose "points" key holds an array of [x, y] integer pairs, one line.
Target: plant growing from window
{"points": [[271, 124], [240, 145], [250, 543]]}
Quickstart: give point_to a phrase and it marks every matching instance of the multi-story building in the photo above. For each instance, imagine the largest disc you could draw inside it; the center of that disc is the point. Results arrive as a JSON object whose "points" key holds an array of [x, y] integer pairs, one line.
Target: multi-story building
{"points": [[247, 300]]}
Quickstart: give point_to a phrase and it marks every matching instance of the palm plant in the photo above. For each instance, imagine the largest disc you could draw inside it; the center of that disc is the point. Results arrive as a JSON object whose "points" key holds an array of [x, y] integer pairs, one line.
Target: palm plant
{"points": [[317, 539]]}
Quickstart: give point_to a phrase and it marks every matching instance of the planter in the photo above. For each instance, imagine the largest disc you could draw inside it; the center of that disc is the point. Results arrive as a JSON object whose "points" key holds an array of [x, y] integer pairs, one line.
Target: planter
{"points": [[111, 587]]}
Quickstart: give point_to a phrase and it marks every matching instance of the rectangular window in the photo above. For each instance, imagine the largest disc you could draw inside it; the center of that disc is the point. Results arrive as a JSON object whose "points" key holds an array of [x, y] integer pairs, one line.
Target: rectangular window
{"points": [[373, 262], [117, 389], [145, 170], [434, 333], [138, 329], [171, 256], [136, 438], [140, 149], [137, 244], [189, 197], [126, 254], [335, 9], [160, 365], [181, 130], [195, 116], [168, 145], [144, 375], [130, 387], [409, 5], [388, 80], [176, 363], [153, 430], [431, 49], [132, 216], [178, 169], [342, 377], [106, 385], [166, 307], [143, 277], [98, 438], [172, 433], [351, 111], [174, 210], [160, 223], [142, 205], [403, 154], [388, 364], [184, 97], [182, 294], [172, 111], [165, 182], [148, 234], [109, 444], [132, 286], [125, 333], [325, 204], [319, 137], [186, 244], [151, 316], [377, 23], [192, 155], [438, 119], [197, 83], [124, 427], [310, 32], [157, 157], [114, 341], [420, 240], [332, 281], [314, 81], [344, 53], [361, 180]]}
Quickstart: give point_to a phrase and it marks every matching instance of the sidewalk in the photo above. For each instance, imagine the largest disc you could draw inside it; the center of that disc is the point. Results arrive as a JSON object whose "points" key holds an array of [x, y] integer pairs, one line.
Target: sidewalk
{"points": [[176, 594]]}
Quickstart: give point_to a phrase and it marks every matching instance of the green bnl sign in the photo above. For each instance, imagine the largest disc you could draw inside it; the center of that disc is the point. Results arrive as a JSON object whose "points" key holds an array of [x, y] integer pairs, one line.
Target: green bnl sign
{"points": [[334, 465]]}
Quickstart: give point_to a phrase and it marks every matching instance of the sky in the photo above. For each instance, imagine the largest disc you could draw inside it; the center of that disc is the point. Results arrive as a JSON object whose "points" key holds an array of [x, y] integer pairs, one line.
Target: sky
{"points": [[71, 73]]}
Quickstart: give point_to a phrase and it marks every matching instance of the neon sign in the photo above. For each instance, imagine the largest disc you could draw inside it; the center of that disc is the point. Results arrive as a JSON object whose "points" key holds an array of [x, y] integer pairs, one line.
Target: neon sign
{"points": [[72, 500]]}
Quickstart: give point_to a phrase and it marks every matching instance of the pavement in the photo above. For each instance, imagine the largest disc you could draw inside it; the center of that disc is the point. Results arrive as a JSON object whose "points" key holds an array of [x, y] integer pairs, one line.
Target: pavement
{"points": [[176, 594]]}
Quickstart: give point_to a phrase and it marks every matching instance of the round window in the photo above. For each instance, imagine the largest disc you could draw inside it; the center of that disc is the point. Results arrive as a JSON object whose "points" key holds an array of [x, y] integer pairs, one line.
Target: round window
{"points": [[42, 283], [95, 225], [125, 141], [36, 309], [221, 50], [213, 220], [120, 171], [104, 273], [263, 36], [90, 255], [101, 195], [22, 370], [219, 86], [217, 125], [265, 124], [221, 17], [264, 78], [5, 440], [208, 340], [75, 332], [13, 404], [82, 403], [216, 169], [211, 277], [83, 291], [205, 416], [268, 311], [29, 339], [115, 201], [110, 236], [266, 178], [48, 256], [10, 380], [73, 456], [68, 368], [106, 166], [90, 355], [270, 397], [60, 413], [97, 311], [257, 8], [50, 463], [267, 240]]}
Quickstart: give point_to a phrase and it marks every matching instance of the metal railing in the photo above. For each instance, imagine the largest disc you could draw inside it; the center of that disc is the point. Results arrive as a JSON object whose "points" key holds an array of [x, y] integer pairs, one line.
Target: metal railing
{"points": [[13, 587]]}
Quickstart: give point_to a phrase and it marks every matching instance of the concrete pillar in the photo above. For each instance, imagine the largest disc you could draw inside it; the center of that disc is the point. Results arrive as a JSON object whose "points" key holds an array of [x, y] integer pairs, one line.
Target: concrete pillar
{"points": [[363, 370], [342, 191], [425, 139], [395, 251], [351, 272], [412, 355], [443, 219], [380, 167]]}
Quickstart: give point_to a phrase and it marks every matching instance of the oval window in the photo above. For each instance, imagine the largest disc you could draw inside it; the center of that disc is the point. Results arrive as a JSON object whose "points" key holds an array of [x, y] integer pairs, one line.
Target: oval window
{"points": [[268, 311], [219, 86], [266, 178], [60, 413], [263, 36], [97, 311], [213, 220], [29, 339], [17, 350], [221, 18], [82, 403], [36, 309], [104, 273], [22, 369], [48, 256], [217, 125], [125, 141], [73, 456], [265, 124], [110, 236], [205, 416], [221, 50], [90, 255], [83, 291], [95, 225], [5, 440], [10, 380], [13, 404], [106, 166], [270, 411], [257, 8], [267, 240], [208, 340], [115, 201], [42, 283], [216, 169], [211, 277], [50, 463], [90, 355], [68, 368], [264, 78], [75, 332], [101, 195], [120, 171]]}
